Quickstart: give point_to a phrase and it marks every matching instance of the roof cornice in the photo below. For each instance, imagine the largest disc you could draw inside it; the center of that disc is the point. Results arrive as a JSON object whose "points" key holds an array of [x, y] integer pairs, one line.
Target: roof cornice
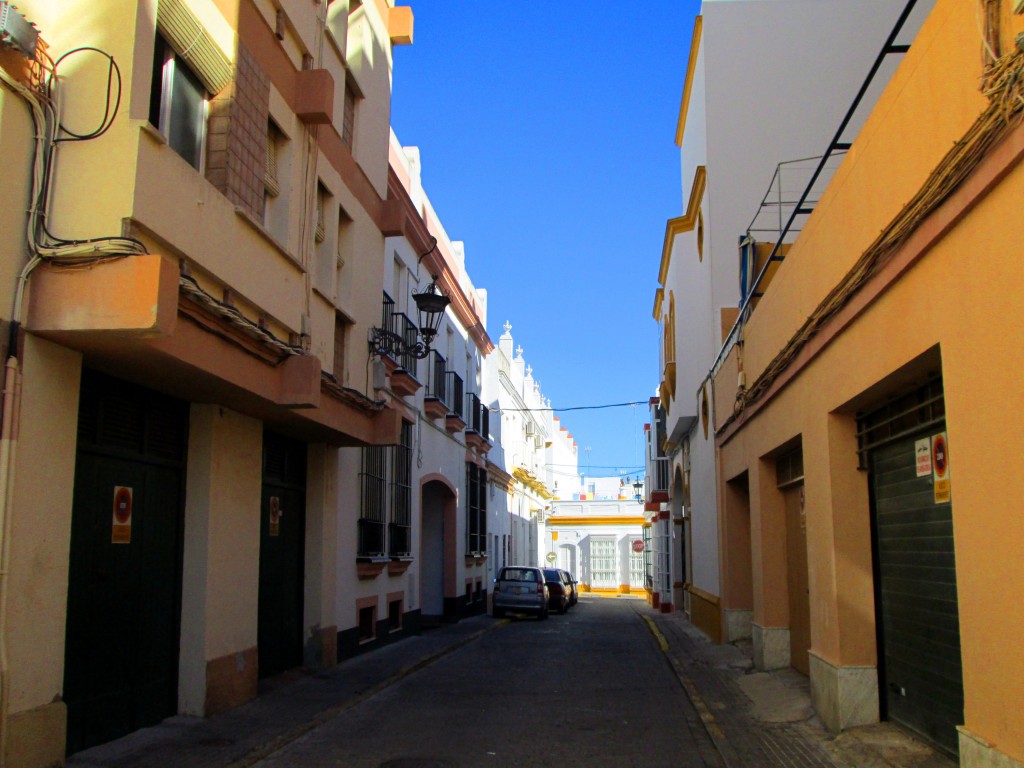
{"points": [[691, 67]]}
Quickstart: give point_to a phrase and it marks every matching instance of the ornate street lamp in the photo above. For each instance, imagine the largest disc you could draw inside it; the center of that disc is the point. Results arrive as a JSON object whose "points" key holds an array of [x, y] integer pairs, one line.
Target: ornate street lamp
{"points": [[430, 307], [638, 487]]}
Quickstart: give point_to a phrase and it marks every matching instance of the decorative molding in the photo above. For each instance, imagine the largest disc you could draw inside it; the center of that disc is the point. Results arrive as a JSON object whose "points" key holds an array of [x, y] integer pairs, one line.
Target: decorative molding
{"points": [[691, 68], [684, 223]]}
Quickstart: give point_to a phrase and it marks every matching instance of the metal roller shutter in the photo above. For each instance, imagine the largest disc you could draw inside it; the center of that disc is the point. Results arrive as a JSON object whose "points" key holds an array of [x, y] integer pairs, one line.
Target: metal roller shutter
{"points": [[920, 673]]}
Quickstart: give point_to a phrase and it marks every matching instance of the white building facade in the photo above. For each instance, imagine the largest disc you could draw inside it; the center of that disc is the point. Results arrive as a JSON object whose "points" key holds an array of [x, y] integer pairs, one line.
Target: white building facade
{"points": [[754, 107], [417, 531], [524, 423], [597, 533]]}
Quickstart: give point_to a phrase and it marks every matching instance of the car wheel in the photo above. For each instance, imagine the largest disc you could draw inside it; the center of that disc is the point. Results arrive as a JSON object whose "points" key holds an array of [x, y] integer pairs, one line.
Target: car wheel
{"points": [[563, 607], [498, 613], [543, 614]]}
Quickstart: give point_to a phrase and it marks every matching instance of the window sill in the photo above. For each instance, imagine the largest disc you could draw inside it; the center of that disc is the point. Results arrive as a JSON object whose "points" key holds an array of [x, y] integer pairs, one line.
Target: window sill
{"points": [[273, 241], [476, 559], [371, 568], [153, 132], [399, 566]]}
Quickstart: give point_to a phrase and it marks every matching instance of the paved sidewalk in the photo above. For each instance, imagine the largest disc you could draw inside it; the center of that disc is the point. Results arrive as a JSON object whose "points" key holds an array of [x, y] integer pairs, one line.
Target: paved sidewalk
{"points": [[295, 704], [760, 719]]}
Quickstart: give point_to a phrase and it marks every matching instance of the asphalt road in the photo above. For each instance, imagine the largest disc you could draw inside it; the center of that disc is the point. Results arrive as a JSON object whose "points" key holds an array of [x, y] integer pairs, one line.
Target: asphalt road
{"points": [[588, 688]]}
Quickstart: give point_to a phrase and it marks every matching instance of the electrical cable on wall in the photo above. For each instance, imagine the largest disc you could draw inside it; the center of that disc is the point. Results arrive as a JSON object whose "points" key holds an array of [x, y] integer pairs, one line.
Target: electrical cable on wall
{"points": [[108, 115]]}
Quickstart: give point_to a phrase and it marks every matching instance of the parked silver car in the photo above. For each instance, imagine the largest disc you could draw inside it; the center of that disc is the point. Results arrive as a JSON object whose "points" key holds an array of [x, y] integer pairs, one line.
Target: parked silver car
{"points": [[520, 589]]}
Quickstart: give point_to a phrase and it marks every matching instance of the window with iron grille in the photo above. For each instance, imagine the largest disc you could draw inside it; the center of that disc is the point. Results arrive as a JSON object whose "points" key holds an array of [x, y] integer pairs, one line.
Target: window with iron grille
{"points": [[476, 509], [373, 502], [400, 529]]}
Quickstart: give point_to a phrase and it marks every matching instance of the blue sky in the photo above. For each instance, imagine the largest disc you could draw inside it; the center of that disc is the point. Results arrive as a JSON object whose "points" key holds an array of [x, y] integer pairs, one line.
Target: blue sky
{"points": [[546, 133]]}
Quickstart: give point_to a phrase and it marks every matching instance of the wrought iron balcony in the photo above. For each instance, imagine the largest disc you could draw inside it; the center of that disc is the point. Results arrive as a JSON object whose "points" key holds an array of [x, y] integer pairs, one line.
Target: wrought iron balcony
{"points": [[453, 386]]}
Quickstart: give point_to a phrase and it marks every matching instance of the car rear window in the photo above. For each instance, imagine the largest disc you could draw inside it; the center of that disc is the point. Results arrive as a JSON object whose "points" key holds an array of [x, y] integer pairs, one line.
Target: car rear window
{"points": [[518, 574], [552, 575]]}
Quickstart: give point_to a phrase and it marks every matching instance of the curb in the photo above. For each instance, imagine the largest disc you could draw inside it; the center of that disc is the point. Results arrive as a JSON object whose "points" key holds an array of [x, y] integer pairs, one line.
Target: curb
{"points": [[293, 734], [714, 732]]}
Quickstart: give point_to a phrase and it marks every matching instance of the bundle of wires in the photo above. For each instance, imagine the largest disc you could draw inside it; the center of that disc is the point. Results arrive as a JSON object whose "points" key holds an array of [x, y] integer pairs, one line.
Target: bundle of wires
{"points": [[44, 107]]}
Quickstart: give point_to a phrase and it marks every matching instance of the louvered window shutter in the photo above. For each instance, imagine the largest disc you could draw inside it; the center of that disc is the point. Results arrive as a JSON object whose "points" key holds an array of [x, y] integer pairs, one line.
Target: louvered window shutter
{"points": [[193, 43], [270, 182]]}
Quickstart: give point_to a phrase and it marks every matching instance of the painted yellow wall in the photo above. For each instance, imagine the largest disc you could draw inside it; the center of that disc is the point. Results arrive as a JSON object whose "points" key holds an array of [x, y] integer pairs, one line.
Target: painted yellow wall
{"points": [[90, 169], [220, 582], [963, 297], [16, 132], [41, 524]]}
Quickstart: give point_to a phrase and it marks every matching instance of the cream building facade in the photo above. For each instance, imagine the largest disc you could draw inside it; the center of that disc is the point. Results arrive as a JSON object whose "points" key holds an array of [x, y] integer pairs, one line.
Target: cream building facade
{"points": [[187, 315]]}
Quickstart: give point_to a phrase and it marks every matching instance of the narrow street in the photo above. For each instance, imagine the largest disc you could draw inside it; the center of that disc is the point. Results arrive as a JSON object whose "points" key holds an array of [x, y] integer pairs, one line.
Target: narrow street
{"points": [[612, 683], [584, 688]]}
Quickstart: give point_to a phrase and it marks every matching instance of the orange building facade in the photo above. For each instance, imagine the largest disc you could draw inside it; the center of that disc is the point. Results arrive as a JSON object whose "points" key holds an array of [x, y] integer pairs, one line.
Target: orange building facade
{"points": [[864, 410]]}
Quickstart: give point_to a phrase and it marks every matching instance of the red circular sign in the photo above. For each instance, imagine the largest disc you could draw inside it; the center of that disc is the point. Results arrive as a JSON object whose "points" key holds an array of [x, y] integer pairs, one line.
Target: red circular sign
{"points": [[638, 546], [123, 505], [940, 457]]}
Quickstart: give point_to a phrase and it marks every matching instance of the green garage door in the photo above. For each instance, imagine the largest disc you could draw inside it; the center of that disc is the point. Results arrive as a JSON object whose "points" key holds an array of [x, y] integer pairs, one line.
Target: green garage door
{"points": [[916, 594], [121, 652]]}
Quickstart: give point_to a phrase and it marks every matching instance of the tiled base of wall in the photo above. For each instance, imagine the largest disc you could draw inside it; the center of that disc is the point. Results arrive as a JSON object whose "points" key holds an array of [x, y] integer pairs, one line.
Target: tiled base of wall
{"points": [[231, 680], [36, 738], [844, 697], [975, 752]]}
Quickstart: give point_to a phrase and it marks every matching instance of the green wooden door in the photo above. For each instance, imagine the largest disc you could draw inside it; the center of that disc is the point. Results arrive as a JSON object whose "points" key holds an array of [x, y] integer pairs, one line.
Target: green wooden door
{"points": [[282, 555], [124, 603]]}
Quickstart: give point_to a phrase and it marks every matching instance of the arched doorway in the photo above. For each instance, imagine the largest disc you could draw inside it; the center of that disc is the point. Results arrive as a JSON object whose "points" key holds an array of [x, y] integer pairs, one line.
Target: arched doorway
{"points": [[681, 558], [437, 550]]}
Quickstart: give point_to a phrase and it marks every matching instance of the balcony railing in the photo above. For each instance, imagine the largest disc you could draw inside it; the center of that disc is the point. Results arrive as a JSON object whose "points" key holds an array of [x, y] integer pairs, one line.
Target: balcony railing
{"points": [[436, 376], [661, 468], [453, 385], [406, 328], [400, 326], [477, 415]]}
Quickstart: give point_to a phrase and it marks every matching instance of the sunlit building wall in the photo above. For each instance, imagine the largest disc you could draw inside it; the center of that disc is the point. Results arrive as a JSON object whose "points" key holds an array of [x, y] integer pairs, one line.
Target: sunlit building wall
{"points": [[751, 103], [883, 533], [422, 543], [516, 400], [187, 350]]}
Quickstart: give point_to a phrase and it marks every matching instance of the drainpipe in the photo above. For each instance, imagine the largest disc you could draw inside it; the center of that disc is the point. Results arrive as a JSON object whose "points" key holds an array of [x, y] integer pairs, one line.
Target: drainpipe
{"points": [[8, 444], [8, 448]]}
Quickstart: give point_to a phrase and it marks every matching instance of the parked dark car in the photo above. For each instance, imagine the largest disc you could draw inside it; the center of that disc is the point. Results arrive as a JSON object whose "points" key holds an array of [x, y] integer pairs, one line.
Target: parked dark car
{"points": [[520, 588], [559, 590], [574, 595]]}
